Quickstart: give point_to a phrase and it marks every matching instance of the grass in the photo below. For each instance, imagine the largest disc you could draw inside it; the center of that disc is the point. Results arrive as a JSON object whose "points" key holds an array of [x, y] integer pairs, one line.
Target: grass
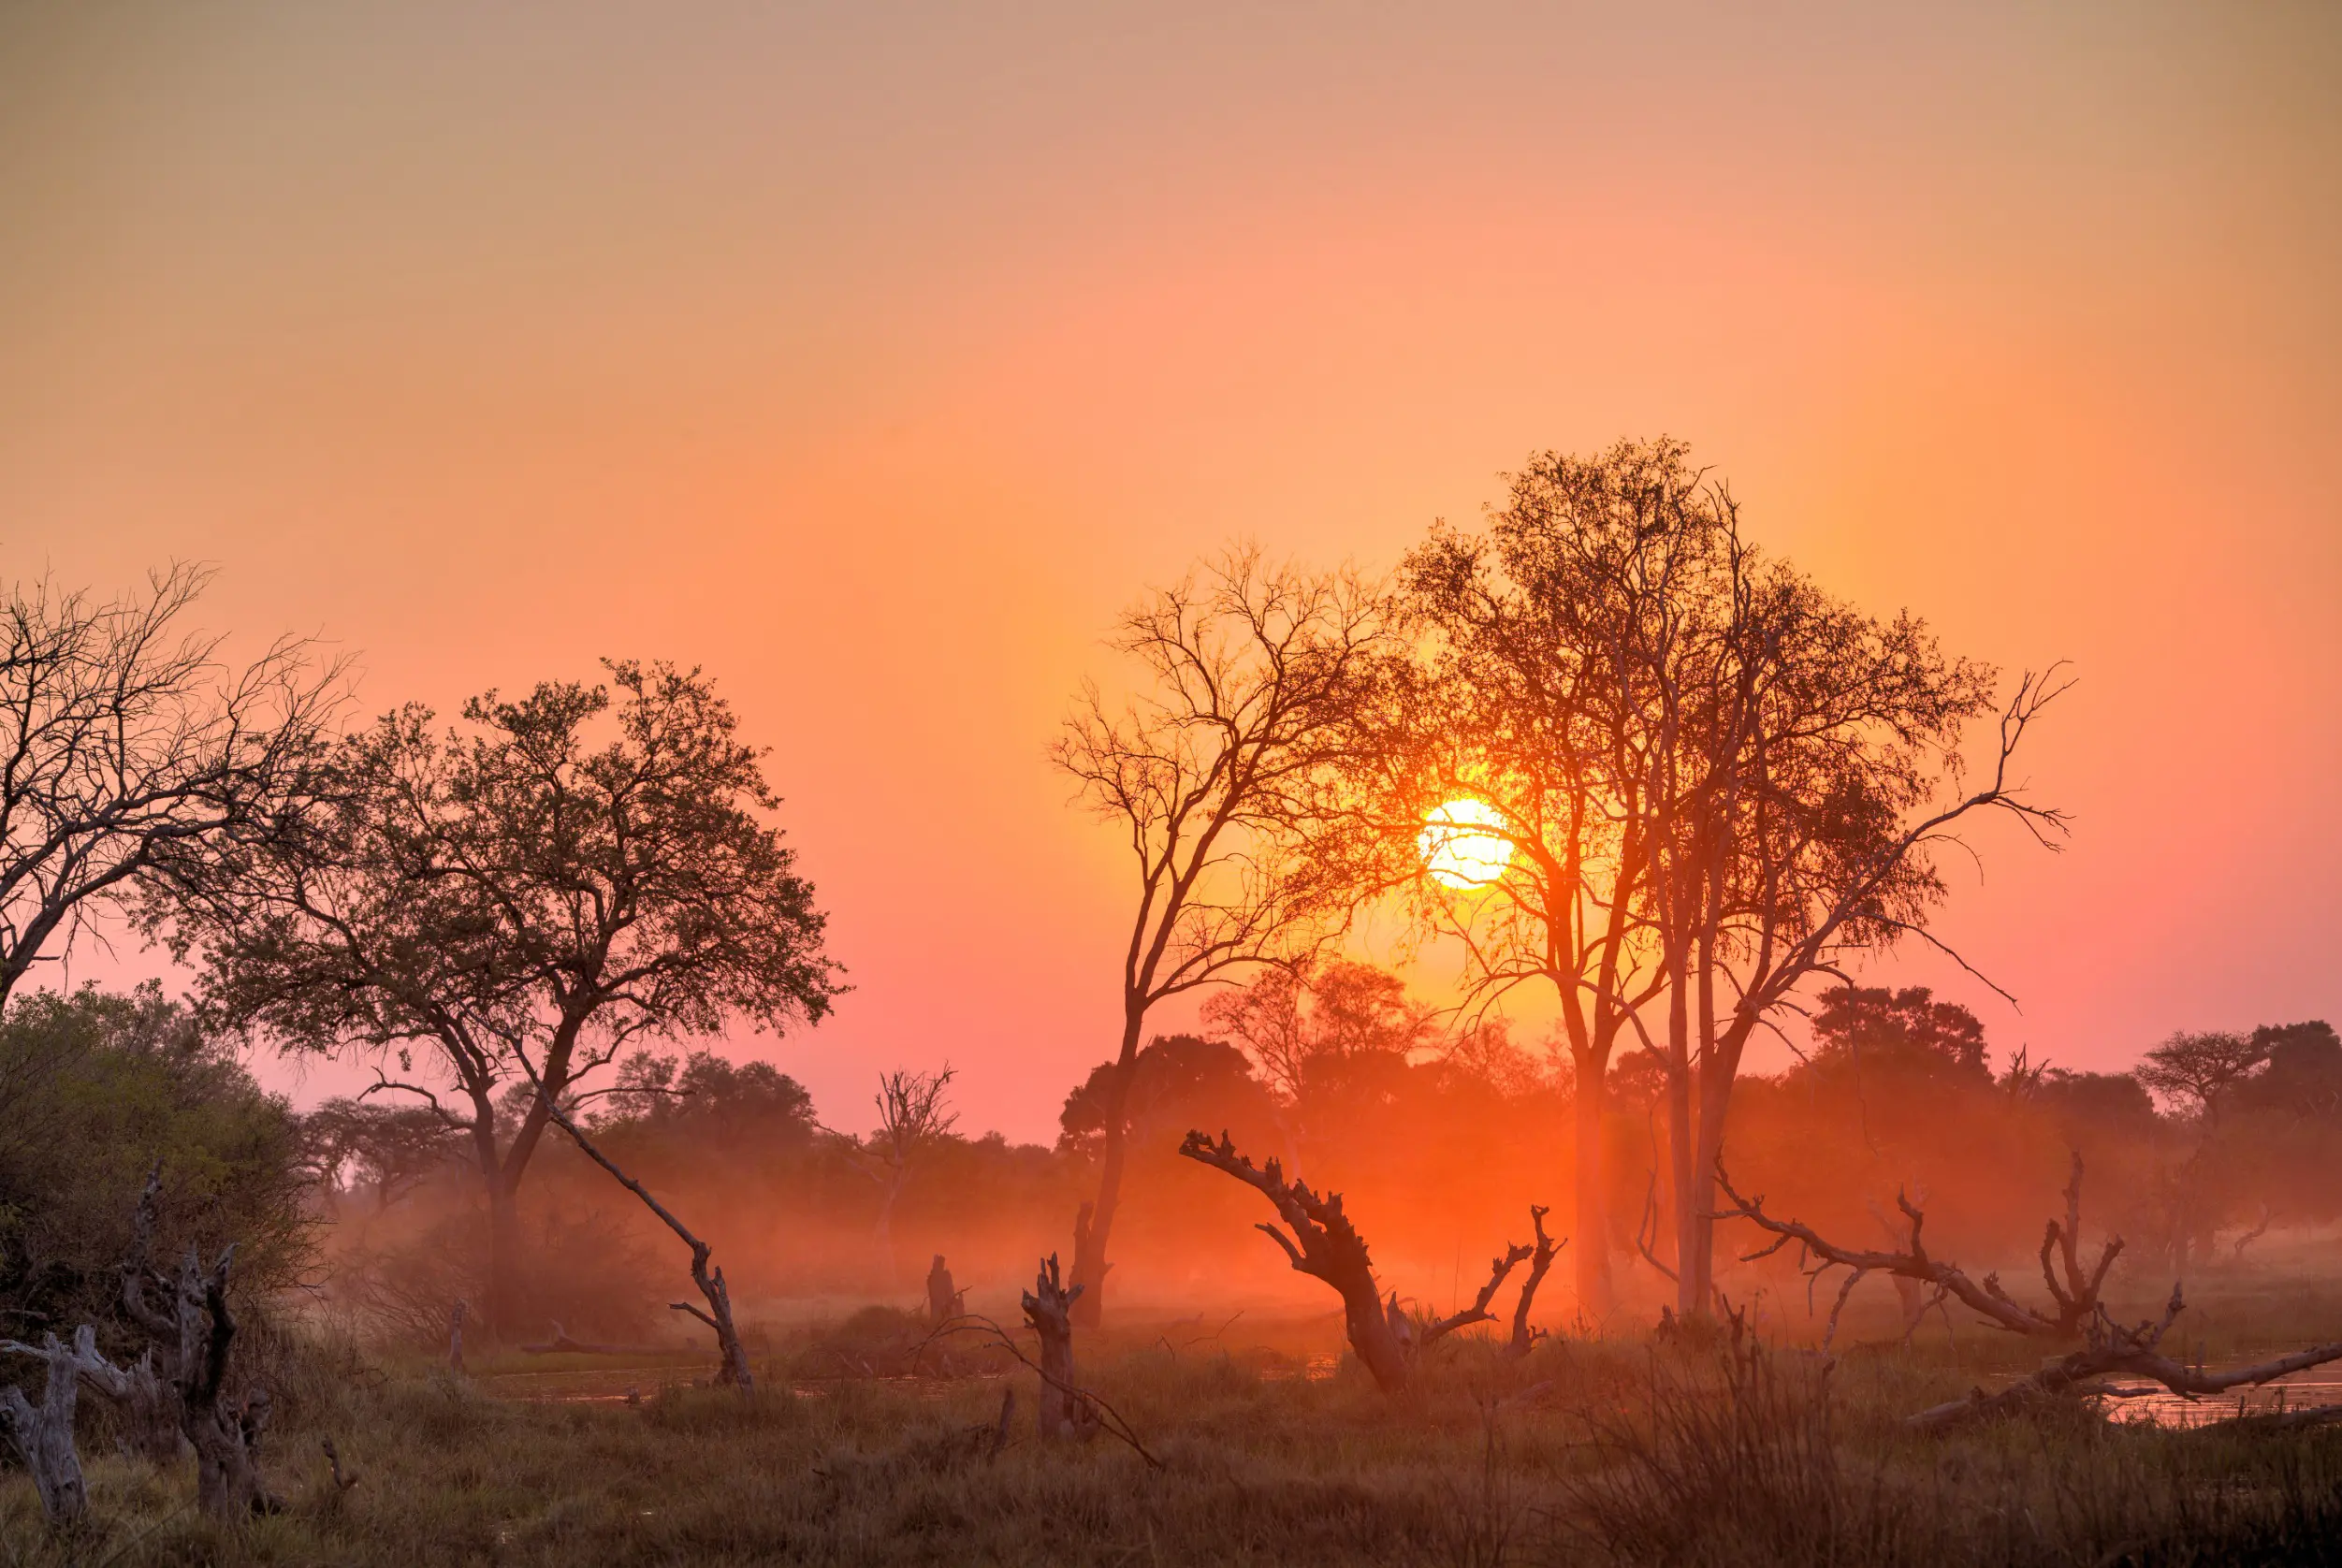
{"points": [[1587, 1453]]}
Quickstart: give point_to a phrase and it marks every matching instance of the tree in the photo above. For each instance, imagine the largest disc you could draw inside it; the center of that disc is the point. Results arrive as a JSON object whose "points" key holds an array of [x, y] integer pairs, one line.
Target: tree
{"points": [[1715, 781], [915, 1111], [1206, 771], [1304, 1023], [1520, 718], [566, 875], [1906, 1030], [124, 737], [1177, 1082], [2199, 1071]]}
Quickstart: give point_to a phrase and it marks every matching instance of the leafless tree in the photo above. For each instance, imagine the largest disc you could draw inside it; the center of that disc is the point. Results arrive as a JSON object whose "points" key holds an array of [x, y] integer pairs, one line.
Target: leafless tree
{"points": [[914, 1110], [568, 874], [1246, 672], [125, 735]]}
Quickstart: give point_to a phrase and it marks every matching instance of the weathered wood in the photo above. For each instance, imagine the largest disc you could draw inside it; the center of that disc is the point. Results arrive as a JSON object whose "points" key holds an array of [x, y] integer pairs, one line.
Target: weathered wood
{"points": [[1049, 1310], [1324, 1246], [735, 1369], [2075, 1298], [188, 1314], [2114, 1348], [1540, 1262], [43, 1434]]}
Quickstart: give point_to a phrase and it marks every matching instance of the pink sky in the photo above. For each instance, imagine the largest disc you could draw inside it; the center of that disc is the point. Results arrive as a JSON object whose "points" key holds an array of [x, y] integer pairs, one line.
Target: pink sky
{"points": [[873, 358]]}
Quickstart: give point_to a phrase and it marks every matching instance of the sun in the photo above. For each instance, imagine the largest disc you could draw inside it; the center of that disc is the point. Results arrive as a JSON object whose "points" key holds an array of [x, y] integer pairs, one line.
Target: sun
{"points": [[1463, 846]]}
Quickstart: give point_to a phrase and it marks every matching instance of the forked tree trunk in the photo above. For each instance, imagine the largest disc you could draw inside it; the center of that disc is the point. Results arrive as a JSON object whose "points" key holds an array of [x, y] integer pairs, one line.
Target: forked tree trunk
{"points": [[1540, 1261], [1049, 1310], [195, 1330], [43, 1435]]}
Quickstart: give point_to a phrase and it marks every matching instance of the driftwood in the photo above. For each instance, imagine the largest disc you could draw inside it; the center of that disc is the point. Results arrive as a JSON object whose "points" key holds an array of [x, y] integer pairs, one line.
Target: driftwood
{"points": [[43, 1434], [192, 1328], [1540, 1261], [1324, 1246], [1049, 1311], [2114, 1349], [2075, 1297]]}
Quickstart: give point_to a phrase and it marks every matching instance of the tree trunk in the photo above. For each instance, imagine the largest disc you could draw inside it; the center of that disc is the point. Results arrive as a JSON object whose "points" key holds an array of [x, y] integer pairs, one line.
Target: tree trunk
{"points": [[1048, 1308], [43, 1437], [507, 1312], [1094, 1222], [1593, 1231], [226, 1439], [1681, 1160]]}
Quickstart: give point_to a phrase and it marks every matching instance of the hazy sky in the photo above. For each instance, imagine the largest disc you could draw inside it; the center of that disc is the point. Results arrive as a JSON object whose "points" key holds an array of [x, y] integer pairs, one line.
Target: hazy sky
{"points": [[873, 356]]}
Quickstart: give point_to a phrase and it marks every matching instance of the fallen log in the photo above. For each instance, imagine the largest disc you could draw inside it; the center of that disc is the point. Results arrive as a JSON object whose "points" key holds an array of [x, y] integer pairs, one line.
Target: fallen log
{"points": [[2117, 1349]]}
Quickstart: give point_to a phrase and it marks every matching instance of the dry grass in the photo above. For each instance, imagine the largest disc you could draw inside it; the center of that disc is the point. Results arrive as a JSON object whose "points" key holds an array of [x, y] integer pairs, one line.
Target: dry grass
{"points": [[1588, 1453]]}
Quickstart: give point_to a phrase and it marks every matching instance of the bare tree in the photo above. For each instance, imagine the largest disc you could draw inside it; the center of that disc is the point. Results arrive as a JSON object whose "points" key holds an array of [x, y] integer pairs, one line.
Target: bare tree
{"points": [[568, 874], [123, 737], [914, 1110], [1206, 770]]}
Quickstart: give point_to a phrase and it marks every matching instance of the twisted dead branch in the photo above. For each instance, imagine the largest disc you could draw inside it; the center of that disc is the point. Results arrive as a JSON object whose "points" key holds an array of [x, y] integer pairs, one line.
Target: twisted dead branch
{"points": [[2075, 1297], [1540, 1262], [1324, 1246]]}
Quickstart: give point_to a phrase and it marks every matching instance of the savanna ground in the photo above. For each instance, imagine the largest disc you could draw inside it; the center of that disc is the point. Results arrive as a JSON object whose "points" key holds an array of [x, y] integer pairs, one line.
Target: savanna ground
{"points": [[866, 1445]]}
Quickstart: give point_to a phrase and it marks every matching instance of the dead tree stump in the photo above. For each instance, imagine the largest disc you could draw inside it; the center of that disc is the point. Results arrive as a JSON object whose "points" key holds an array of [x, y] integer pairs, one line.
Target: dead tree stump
{"points": [[943, 1301], [1049, 1309], [194, 1330], [1540, 1263], [43, 1436]]}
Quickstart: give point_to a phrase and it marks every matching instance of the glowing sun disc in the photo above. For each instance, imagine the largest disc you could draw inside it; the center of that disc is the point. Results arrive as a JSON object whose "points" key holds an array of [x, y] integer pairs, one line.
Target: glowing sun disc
{"points": [[1462, 845]]}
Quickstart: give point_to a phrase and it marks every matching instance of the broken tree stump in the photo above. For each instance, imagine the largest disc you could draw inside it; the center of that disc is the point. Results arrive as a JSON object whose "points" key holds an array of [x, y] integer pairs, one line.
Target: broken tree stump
{"points": [[187, 1314], [943, 1301], [43, 1434], [1049, 1310], [1540, 1263]]}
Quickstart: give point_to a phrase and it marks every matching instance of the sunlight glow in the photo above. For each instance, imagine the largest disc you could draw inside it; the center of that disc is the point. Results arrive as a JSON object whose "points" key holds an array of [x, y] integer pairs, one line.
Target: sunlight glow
{"points": [[1462, 845]]}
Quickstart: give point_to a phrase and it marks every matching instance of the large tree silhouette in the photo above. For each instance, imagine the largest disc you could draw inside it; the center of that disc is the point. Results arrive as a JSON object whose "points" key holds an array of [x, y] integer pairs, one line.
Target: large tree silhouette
{"points": [[1245, 670], [562, 876]]}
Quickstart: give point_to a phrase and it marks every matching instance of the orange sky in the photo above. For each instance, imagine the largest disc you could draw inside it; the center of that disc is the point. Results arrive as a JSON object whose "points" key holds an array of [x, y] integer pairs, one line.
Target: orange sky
{"points": [[873, 356]]}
